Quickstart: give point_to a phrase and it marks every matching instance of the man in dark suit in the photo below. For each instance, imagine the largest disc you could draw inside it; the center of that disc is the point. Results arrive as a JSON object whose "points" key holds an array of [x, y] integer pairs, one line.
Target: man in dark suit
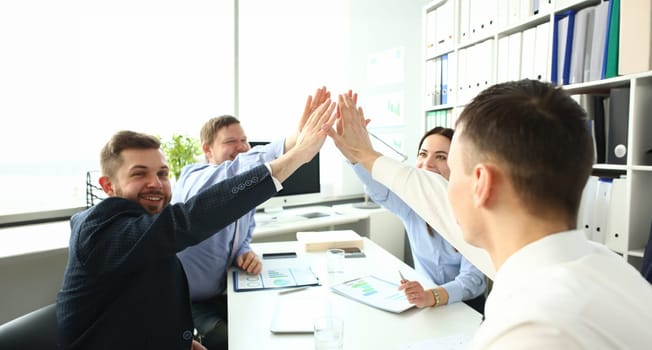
{"points": [[124, 287]]}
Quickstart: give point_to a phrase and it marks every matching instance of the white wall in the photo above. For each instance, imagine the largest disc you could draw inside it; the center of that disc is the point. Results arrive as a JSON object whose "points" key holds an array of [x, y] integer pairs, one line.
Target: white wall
{"points": [[289, 48], [378, 29]]}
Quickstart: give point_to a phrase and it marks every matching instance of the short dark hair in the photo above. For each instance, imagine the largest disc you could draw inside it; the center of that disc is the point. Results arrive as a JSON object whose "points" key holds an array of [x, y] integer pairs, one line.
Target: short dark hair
{"points": [[438, 130], [213, 125], [540, 134], [110, 156]]}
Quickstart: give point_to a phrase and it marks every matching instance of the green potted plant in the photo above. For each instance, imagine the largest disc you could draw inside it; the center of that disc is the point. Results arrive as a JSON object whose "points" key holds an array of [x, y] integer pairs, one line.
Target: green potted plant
{"points": [[180, 150]]}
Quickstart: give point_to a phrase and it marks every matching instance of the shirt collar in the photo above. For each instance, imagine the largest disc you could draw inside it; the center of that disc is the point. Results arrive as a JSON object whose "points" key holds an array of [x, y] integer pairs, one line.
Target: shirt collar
{"points": [[551, 249]]}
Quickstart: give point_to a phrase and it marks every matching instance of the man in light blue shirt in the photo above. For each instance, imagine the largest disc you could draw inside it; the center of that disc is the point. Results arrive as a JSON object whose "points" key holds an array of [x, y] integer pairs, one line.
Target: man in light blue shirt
{"points": [[435, 258], [228, 153]]}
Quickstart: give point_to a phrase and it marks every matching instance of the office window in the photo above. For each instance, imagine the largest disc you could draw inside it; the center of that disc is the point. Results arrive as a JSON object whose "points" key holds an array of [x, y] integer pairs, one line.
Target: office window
{"points": [[75, 72], [287, 49]]}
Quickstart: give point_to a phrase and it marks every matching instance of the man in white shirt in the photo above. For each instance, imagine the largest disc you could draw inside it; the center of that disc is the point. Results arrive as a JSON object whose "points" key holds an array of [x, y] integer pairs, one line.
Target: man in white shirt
{"points": [[518, 162]]}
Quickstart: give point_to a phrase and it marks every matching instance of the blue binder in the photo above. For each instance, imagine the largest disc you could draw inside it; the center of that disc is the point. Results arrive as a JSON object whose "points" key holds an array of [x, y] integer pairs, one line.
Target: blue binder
{"points": [[444, 79], [554, 78]]}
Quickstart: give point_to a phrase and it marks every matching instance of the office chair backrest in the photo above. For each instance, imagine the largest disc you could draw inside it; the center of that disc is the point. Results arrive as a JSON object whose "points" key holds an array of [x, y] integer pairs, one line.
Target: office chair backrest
{"points": [[36, 330]]}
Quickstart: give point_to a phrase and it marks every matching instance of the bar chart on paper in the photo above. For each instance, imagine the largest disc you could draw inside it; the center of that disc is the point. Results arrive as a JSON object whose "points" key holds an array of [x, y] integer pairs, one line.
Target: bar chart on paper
{"points": [[375, 292], [279, 273]]}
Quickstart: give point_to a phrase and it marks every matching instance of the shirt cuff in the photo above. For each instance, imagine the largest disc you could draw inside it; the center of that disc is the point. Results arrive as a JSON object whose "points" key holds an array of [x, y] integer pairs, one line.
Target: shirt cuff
{"points": [[277, 183], [454, 290]]}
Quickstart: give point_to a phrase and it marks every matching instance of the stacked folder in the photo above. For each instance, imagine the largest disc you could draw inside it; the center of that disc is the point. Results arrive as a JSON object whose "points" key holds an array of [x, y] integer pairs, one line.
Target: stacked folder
{"points": [[608, 116], [323, 240], [585, 43], [602, 212]]}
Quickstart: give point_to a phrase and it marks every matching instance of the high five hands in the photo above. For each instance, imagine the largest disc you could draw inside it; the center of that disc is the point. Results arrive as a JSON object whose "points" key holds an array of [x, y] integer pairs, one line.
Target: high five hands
{"points": [[350, 133], [347, 126]]}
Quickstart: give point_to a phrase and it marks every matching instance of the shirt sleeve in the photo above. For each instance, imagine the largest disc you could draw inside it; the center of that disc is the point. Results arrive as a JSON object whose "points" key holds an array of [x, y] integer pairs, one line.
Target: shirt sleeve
{"points": [[277, 183], [470, 283], [199, 176], [520, 337], [426, 193], [380, 194], [251, 226]]}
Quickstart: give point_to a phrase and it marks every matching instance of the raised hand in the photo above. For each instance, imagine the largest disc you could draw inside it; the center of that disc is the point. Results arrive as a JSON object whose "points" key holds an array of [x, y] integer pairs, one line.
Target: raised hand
{"points": [[309, 141], [321, 95], [312, 103], [315, 129], [350, 135]]}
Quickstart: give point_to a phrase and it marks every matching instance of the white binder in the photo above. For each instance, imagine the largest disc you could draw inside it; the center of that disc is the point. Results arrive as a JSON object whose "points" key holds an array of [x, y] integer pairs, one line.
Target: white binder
{"points": [[617, 226]]}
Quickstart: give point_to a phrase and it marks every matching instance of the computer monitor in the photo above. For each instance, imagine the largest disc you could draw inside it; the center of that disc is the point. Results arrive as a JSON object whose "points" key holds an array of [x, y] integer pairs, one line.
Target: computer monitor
{"points": [[302, 187]]}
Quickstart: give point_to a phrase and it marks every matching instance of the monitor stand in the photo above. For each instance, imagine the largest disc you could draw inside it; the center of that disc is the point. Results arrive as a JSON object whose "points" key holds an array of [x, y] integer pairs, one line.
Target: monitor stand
{"points": [[367, 204], [273, 210]]}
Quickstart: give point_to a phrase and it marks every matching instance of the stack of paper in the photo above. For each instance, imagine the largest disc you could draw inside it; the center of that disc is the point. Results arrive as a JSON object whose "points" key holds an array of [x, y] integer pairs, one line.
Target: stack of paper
{"points": [[323, 240]]}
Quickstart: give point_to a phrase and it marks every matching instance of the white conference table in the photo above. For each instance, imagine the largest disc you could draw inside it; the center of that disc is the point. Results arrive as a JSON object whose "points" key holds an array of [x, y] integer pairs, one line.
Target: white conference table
{"points": [[250, 313]]}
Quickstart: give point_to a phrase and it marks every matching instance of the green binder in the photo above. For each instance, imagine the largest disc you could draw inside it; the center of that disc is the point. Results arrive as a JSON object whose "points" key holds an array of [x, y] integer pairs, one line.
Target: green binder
{"points": [[613, 34]]}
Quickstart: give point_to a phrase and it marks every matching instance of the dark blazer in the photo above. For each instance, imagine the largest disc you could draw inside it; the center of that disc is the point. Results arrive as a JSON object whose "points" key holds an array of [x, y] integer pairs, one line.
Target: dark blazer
{"points": [[124, 287], [646, 266]]}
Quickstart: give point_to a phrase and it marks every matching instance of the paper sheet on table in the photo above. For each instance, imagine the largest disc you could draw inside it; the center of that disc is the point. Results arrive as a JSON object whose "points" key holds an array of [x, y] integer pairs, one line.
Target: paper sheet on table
{"points": [[296, 314], [375, 292], [276, 273], [451, 342]]}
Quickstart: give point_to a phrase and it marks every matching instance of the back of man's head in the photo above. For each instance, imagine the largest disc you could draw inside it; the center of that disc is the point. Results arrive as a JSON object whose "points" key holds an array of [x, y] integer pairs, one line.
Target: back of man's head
{"points": [[541, 136]]}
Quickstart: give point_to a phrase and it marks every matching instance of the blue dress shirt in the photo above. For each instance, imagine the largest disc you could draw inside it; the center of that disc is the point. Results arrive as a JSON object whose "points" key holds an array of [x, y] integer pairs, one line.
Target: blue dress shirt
{"points": [[433, 256], [206, 263]]}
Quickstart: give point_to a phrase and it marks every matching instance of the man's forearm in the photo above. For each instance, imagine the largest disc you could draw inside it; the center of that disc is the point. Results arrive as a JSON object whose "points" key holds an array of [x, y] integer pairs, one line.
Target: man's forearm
{"points": [[288, 163], [289, 142]]}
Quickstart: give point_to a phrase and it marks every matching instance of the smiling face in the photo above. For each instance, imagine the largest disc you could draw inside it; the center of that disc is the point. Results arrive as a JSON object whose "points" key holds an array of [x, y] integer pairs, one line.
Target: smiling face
{"points": [[433, 155], [142, 177], [229, 141]]}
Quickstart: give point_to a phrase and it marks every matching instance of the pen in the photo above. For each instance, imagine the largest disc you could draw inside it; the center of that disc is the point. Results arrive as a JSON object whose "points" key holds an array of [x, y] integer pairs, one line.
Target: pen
{"points": [[287, 291], [402, 277]]}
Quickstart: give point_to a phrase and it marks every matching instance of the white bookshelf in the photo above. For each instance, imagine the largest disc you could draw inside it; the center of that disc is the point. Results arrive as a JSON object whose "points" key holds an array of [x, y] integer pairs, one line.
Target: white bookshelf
{"points": [[477, 58]]}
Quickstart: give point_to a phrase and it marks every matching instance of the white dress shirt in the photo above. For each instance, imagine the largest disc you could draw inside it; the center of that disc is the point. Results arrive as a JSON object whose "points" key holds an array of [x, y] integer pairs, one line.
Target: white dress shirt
{"points": [[560, 292], [566, 292]]}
